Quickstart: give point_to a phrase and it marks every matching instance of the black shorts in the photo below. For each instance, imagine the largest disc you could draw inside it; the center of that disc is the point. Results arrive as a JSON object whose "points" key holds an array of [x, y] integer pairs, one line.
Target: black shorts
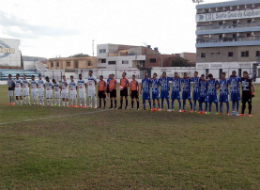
{"points": [[108, 89], [124, 92], [113, 94], [134, 94], [101, 94], [246, 97]]}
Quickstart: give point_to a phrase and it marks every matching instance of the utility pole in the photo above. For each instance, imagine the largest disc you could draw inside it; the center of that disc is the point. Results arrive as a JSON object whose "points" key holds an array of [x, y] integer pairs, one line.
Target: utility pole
{"points": [[93, 47]]}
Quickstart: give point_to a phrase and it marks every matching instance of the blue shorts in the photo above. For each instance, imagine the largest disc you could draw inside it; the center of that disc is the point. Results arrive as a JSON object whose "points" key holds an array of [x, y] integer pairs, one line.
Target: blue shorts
{"points": [[203, 99], [164, 95], [155, 96], [212, 98], [176, 96], [235, 97], [146, 96], [186, 96], [224, 98], [196, 96]]}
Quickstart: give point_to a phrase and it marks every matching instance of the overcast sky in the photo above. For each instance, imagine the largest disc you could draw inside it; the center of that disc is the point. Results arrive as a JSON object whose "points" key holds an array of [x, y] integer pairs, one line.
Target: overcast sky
{"points": [[51, 28]]}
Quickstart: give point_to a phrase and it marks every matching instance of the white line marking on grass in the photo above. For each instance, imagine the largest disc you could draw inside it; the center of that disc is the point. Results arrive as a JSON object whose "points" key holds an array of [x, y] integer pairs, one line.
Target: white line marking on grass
{"points": [[55, 117]]}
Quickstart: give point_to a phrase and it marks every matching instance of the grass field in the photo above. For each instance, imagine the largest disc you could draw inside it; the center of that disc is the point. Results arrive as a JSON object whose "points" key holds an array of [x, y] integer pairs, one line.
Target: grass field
{"points": [[72, 148]]}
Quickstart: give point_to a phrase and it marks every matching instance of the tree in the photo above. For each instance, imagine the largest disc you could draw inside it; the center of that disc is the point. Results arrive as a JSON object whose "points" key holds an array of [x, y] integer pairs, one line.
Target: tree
{"points": [[180, 62], [80, 55]]}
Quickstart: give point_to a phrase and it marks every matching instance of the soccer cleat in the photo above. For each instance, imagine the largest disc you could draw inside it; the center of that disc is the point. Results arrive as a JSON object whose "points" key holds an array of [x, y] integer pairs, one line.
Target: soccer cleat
{"points": [[241, 115], [249, 115], [137, 109], [237, 114], [219, 113], [200, 112], [80, 106], [208, 113], [13, 104], [75, 106], [84, 106], [227, 114], [169, 110], [182, 111], [111, 108], [71, 106], [233, 114], [172, 110], [216, 113], [95, 107], [120, 108], [9, 104], [191, 111], [159, 109]]}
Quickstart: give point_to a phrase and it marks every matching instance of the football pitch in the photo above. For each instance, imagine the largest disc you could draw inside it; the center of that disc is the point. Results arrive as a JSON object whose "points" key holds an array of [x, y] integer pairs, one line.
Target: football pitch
{"points": [[74, 148]]}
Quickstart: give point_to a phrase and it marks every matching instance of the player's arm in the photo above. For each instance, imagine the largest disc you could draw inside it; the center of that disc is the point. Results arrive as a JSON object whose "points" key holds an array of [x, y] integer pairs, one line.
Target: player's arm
{"points": [[218, 85], [137, 88], [141, 88], [105, 86], [253, 88]]}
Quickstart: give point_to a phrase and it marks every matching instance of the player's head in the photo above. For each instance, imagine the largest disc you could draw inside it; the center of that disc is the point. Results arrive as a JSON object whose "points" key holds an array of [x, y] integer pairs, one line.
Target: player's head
{"points": [[202, 77], [90, 72], [196, 74], [176, 75], [164, 74], [80, 76], [10, 76], [40, 76], [24, 76], [71, 77], [146, 75], [17, 75], [32, 77], [185, 75], [234, 73], [223, 75], [245, 74], [155, 75], [64, 77], [54, 81], [133, 77], [112, 76], [101, 77], [124, 74], [210, 76], [47, 79]]}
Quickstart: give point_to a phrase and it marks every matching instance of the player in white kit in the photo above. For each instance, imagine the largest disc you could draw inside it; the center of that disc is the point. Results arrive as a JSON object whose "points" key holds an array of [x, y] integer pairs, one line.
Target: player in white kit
{"points": [[92, 81], [26, 94], [49, 91], [73, 92], [82, 91], [34, 92], [57, 91], [64, 91], [41, 86], [18, 90]]}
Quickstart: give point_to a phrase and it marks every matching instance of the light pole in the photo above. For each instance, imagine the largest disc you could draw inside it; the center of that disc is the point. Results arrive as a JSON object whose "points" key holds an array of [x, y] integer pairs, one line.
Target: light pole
{"points": [[197, 1]]}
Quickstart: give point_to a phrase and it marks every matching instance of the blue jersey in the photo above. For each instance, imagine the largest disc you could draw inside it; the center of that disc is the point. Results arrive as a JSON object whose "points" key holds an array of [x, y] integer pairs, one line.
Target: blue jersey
{"points": [[146, 83], [196, 82], [212, 87], [203, 88], [108, 80], [224, 86], [176, 84], [165, 84], [186, 84], [234, 84], [155, 86]]}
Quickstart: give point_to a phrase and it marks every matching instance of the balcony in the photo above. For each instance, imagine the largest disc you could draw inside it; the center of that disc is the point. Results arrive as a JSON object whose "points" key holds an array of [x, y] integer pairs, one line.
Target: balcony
{"points": [[226, 42]]}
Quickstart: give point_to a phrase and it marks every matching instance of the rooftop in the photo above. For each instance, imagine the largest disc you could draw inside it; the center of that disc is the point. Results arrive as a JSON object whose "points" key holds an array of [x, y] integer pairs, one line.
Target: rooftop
{"points": [[227, 4]]}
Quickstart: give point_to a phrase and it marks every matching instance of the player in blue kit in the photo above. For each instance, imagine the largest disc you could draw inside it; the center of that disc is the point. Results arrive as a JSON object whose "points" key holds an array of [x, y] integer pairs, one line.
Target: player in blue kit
{"points": [[223, 97], [212, 95], [145, 90], [155, 92], [165, 88], [235, 92], [203, 88], [176, 88], [186, 92], [196, 93]]}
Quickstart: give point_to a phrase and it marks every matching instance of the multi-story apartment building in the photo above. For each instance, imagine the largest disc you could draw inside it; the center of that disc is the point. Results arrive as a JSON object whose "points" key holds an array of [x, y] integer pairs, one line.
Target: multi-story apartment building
{"points": [[228, 36]]}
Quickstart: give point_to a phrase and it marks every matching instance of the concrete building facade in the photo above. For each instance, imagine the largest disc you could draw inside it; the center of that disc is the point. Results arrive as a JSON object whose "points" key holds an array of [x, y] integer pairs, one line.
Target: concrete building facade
{"points": [[10, 55]]}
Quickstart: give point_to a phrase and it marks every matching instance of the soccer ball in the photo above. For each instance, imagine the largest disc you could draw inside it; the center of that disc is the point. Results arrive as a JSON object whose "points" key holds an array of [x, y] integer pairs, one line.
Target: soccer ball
{"points": [[121, 87]]}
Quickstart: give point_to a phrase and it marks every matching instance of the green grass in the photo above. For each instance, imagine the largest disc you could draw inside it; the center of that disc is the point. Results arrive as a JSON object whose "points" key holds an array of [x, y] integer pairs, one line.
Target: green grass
{"points": [[127, 149]]}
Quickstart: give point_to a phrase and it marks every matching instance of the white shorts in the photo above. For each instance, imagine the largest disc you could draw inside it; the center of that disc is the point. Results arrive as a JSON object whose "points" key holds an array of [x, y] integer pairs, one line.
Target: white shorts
{"points": [[91, 92], [10, 93], [49, 95], [26, 92], [64, 95], [41, 93], [57, 95], [73, 96], [18, 92], [34, 94], [82, 94]]}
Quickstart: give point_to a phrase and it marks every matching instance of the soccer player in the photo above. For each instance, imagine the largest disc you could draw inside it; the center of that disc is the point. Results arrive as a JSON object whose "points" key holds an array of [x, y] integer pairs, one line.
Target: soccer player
{"points": [[186, 93], [49, 91], [102, 88], [145, 90], [176, 89], [212, 95], [235, 92], [34, 92], [112, 90], [73, 92], [11, 87], [203, 89], [64, 92], [165, 88], [155, 92], [124, 84], [134, 92], [223, 97], [248, 92], [26, 86], [92, 81], [57, 91], [108, 80], [82, 91], [41, 86], [18, 90], [196, 94]]}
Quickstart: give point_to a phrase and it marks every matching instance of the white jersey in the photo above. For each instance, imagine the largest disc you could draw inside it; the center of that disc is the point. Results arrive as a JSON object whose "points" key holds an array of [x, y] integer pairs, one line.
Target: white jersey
{"points": [[82, 85], [92, 83], [33, 85], [18, 84], [25, 87], [56, 87], [64, 85], [49, 86], [41, 84], [73, 87]]}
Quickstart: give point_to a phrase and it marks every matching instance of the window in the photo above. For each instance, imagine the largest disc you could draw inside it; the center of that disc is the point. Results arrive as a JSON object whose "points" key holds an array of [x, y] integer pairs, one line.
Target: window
{"points": [[57, 64], [220, 36], [203, 55], [249, 21], [102, 51], [103, 61], [89, 63], [125, 62], [76, 64], [51, 64], [234, 22], [257, 54], [245, 54], [220, 23], [68, 64], [111, 62], [248, 35], [152, 60], [230, 54]]}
